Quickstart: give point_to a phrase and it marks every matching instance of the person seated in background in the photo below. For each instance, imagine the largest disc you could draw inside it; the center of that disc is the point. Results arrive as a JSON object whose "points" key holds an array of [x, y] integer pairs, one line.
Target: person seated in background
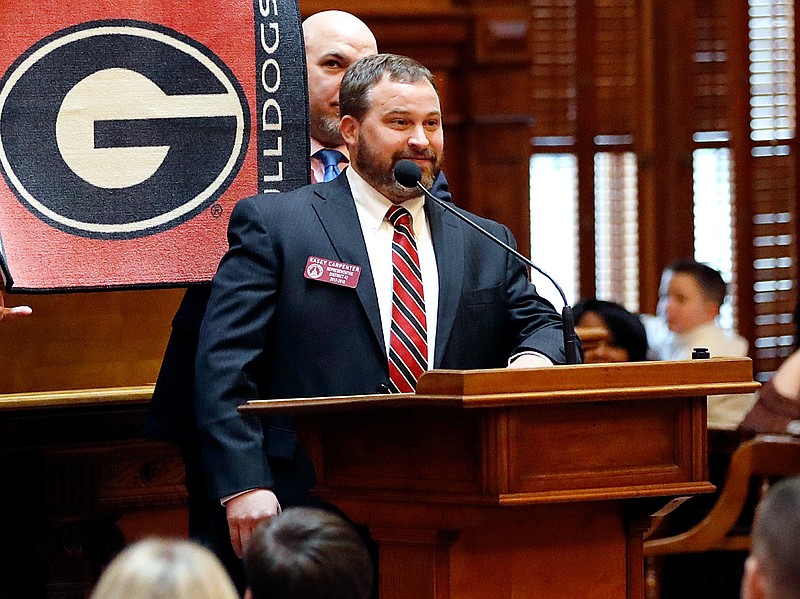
{"points": [[772, 570], [173, 568], [307, 553], [777, 409], [625, 339], [690, 297], [6, 313]]}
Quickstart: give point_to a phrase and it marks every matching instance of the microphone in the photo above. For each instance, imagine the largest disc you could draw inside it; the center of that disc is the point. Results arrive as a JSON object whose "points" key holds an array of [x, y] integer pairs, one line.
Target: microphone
{"points": [[409, 174]]}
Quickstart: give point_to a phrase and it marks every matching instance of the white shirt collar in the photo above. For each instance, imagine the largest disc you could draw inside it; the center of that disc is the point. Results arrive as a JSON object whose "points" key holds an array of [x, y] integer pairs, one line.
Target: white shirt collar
{"points": [[373, 205]]}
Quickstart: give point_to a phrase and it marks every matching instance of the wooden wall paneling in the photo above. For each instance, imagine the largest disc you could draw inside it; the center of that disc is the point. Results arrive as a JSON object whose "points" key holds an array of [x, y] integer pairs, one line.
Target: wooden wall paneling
{"points": [[499, 149], [362, 7], [86, 340], [501, 4], [437, 39], [645, 143], [503, 35], [500, 121], [499, 186], [436, 34], [500, 95], [443, 42], [742, 170], [481, 58], [676, 199], [586, 128], [84, 484], [666, 214]]}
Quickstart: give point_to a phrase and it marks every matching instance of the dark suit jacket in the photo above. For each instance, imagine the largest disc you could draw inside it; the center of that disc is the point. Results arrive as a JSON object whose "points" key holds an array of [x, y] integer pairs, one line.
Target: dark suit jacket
{"points": [[171, 416], [269, 332]]}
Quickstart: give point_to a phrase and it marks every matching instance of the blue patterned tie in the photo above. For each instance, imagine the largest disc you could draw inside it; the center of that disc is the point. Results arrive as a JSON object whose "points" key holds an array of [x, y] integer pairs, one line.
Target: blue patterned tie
{"points": [[330, 161]]}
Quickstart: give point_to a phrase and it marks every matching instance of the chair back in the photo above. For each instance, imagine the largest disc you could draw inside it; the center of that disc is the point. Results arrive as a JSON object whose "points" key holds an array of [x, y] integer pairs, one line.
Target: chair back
{"points": [[766, 458]]}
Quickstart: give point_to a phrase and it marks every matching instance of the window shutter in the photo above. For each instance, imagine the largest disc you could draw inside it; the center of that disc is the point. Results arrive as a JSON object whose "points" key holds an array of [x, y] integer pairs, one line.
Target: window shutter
{"points": [[585, 80], [711, 107], [554, 57], [615, 99], [774, 189], [615, 69]]}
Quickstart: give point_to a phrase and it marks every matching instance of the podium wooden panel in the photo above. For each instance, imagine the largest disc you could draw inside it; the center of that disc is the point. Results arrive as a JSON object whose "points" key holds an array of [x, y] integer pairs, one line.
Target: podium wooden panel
{"points": [[528, 483], [80, 482]]}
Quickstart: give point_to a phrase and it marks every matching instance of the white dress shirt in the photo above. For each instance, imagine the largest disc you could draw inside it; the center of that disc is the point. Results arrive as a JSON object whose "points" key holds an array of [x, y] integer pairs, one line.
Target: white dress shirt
{"points": [[372, 207], [725, 412]]}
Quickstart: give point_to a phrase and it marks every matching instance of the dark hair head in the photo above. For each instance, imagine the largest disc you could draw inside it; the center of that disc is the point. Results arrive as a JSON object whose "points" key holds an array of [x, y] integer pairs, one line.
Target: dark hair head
{"points": [[776, 531], [307, 553], [627, 331], [709, 279], [366, 73]]}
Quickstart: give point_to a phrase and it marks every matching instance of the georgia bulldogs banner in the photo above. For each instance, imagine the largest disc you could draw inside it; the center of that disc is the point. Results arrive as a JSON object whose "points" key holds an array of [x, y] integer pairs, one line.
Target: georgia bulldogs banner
{"points": [[129, 130]]}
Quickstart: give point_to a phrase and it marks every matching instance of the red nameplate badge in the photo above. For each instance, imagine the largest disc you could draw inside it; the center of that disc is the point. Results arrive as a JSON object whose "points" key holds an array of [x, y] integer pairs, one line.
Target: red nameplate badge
{"points": [[330, 271]]}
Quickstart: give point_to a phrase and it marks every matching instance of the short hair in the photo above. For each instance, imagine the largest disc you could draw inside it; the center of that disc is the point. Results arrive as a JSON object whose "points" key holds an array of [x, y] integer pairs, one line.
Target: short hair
{"points": [[307, 553], [627, 330], [161, 568], [709, 279], [775, 535], [364, 74]]}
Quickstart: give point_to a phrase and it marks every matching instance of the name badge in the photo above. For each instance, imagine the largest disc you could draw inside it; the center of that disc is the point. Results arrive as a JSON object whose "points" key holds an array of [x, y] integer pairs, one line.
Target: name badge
{"points": [[330, 271]]}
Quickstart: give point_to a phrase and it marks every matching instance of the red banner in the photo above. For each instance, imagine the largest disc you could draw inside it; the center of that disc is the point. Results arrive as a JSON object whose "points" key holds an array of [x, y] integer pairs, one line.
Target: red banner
{"points": [[129, 130]]}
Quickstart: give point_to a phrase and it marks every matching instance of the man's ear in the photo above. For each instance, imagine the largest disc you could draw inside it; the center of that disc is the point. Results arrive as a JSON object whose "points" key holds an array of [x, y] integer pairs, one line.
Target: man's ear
{"points": [[349, 129], [248, 594], [711, 309], [753, 583]]}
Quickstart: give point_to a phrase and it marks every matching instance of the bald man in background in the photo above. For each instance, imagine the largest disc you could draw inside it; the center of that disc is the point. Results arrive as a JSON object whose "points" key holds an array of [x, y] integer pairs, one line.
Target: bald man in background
{"points": [[333, 40]]}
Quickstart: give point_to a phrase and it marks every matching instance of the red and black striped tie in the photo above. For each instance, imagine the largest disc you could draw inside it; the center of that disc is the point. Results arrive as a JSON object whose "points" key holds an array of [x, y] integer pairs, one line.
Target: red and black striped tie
{"points": [[408, 340]]}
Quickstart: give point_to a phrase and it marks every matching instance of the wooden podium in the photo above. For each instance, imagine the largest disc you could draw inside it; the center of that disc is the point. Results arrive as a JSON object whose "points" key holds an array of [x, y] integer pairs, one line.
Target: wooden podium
{"points": [[524, 484]]}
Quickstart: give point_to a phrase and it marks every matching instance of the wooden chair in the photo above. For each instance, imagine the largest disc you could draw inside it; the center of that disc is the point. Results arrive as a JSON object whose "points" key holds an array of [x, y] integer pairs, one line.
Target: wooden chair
{"points": [[763, 459]]}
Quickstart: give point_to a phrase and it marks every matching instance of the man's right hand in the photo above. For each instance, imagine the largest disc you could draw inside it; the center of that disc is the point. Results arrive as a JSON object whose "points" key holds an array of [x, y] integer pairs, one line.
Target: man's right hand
{"points": [[244, 513]]}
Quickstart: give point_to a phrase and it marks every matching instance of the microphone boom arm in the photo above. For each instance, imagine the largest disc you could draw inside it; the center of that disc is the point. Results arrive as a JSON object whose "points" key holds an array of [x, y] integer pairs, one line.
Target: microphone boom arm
{"points": [[499, 242], [571, 353]]}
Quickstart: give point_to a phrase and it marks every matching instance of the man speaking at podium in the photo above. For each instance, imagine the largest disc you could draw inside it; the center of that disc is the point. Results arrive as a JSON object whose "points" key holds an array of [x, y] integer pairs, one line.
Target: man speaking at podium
{"points": [[349, 287]]}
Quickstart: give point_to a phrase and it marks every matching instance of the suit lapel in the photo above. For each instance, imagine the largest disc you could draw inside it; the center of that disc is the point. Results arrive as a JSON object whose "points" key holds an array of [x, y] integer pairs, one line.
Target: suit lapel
{"points": [[448, 245], [336, 210]]}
